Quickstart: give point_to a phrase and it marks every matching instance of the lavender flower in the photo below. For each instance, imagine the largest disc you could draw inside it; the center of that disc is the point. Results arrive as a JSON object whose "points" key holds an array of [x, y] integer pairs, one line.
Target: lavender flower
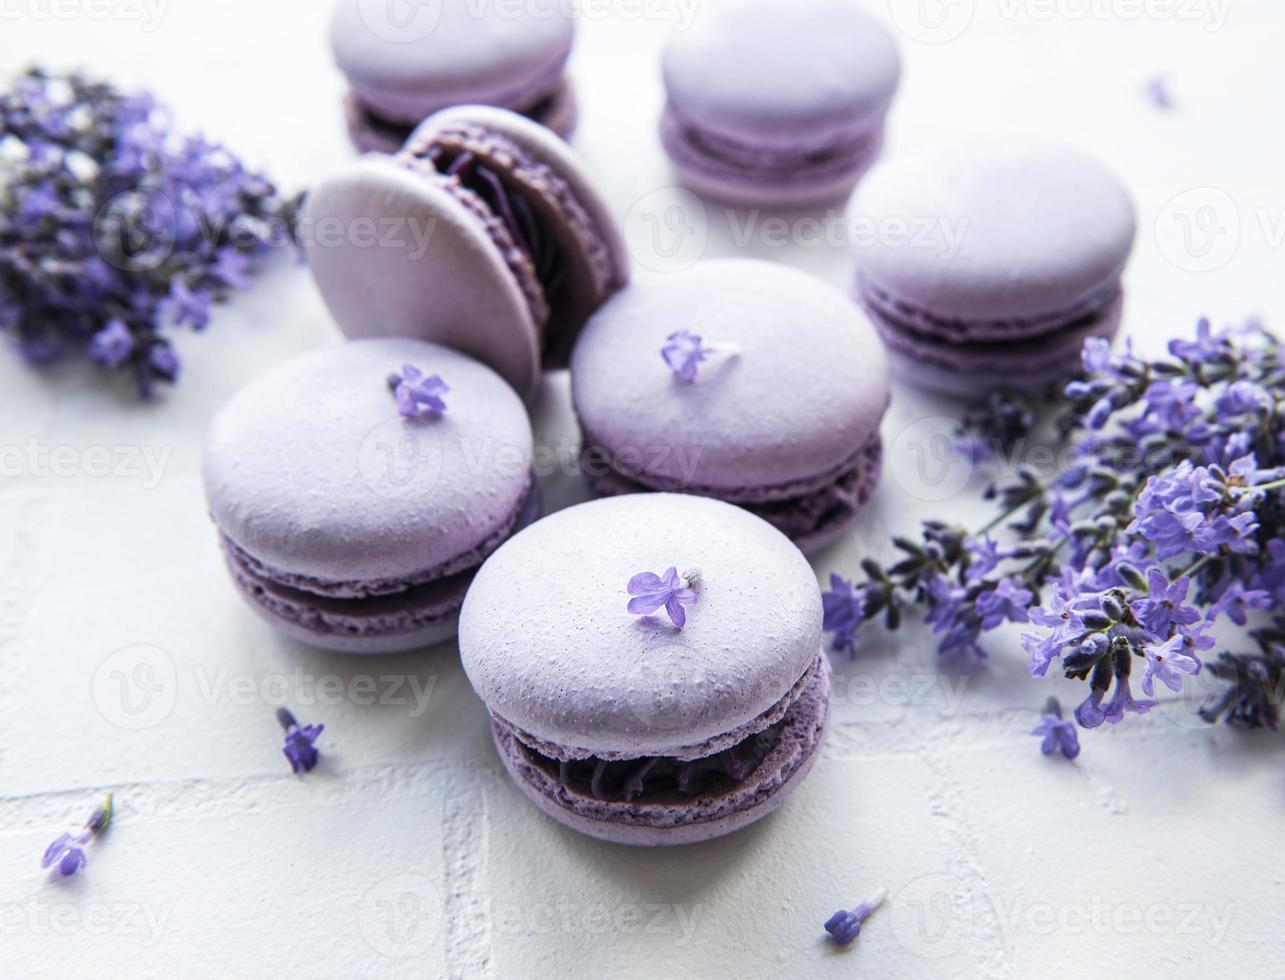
{"points": [[843, 611], [1169, 516], [115, 228], [1008, 601], [1163, 609], [112, 345], [1168, 663], [418, 395], [1123, 702], [1059, 735], [1236, 601], [299, 748], [845, 925], [684, 352], [67, 853], [651, 591]]}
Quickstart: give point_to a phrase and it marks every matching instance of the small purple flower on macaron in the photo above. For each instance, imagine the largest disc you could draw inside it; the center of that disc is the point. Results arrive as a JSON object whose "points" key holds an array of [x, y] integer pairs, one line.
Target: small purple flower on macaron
{"points": [[1059, 735], [418, 395], [845, 925], [67, 853], [684, 352], [299, 748], [671, 590]]}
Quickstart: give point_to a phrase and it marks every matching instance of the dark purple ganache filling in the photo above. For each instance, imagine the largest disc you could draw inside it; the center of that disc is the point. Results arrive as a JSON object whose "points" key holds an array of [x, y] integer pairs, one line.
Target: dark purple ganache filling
{"points": [[658, 776], [551, 243], [797, 512], [529, 232]]}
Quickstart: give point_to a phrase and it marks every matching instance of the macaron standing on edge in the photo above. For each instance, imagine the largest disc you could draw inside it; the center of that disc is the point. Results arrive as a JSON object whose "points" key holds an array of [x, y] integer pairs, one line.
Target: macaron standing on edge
{"points": [[1028, 240], [737, 379], [346, 522], [483, 234], [778, 103], [405, 62], [652, 665]]}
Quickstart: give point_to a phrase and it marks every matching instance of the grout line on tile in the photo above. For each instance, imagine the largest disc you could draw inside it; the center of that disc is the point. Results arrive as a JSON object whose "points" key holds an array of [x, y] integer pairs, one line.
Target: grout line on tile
{"points": [[466, 819]]}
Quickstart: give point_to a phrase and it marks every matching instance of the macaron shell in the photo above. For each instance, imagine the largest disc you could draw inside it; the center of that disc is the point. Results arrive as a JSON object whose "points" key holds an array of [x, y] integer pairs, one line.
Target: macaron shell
{"points": [[701, 819], [779, 74], [807, 390], [543, 145], [450, 51], [549, 645], [1007, 226], [396, 255], [311, 470]]}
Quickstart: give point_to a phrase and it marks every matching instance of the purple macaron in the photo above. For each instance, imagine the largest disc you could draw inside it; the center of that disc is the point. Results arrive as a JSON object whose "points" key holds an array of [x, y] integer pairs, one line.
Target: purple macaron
{"points": [[778, 103], [618, 722], [741, 380], [483, 234], [405, 62], [1007, 255], [357, 490]]}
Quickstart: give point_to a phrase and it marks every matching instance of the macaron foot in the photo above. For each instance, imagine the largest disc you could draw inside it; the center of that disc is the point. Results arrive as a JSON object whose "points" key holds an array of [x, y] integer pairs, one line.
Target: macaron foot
{"points": [[660, 801], [812, 514], [972, 369], [743, 173]]}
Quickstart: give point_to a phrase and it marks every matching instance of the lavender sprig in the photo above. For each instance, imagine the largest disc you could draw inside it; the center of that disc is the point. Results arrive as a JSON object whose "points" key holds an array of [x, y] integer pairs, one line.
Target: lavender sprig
{"points": [[845, 925], [1168, 517], [115, 228], [66, 854], [299, 747]]}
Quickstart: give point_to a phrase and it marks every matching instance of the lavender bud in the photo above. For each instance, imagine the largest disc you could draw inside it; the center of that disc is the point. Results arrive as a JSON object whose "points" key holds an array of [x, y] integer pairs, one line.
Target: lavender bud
{"points": [[1112, 608], [1096, 621], [1131, 576]]}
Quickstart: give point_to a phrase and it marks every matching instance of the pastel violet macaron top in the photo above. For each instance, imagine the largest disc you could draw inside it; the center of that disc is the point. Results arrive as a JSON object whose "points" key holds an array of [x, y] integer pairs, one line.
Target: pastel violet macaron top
{"points": [[782, 416], [343, 519], [1023, 247], [483, 234], [404, 62], [778, 101], [624, 725]]}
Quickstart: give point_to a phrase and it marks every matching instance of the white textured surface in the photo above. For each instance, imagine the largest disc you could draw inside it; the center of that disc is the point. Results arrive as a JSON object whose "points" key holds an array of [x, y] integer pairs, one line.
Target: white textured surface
{"points": [[407, 853]]}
